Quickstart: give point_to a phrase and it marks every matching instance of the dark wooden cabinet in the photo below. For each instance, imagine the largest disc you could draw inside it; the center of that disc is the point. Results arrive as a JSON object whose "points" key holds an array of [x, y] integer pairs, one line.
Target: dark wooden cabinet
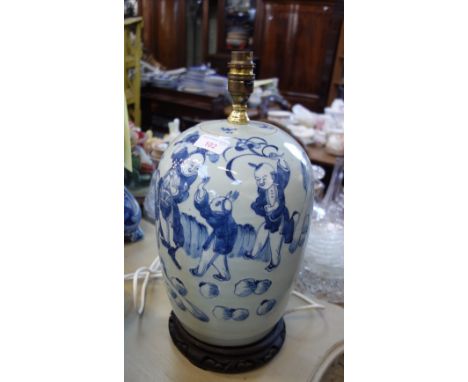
{"points": [[293, 40], [234, 30], [164, 31], [296, 41], [337, 81]]}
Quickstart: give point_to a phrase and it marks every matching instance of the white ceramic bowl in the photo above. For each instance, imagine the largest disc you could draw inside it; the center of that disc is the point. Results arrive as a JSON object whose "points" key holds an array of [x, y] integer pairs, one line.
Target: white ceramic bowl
{"points": [[304, 115], [305, 134]]}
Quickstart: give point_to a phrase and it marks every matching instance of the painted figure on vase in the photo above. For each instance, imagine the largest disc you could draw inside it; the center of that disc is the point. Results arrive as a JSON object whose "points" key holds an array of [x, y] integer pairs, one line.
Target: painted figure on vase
{"points": [[173, 189], [271, 205], [227, 239]]}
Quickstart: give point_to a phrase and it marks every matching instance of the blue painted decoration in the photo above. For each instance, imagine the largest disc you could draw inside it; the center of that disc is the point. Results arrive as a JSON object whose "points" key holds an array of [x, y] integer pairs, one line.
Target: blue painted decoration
{"points": [[249, 286], [171, 292], [176, 299], [173, 189], [188, 139], [263, 125], [132, 218], [180, 293], [195, 234], [208, 290], [299, 242], [191, 139], [271, 205], [240, 314], [227, 238], [228, 130], [195, 311], [265, 307], [236, 314], [179, 286], [254, 146]]}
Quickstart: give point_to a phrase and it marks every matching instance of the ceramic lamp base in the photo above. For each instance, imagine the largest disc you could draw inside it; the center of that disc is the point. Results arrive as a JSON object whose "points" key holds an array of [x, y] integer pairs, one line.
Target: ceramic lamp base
{"points": [[227, 360]]}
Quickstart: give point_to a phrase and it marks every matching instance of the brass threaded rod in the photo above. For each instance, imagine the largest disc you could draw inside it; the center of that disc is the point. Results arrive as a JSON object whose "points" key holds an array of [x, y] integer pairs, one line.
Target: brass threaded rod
{"points": [[240, 85]]}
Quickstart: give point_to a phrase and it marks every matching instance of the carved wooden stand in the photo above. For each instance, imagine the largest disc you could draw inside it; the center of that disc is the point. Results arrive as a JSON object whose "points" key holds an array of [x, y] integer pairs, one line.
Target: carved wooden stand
{"points": [[228, 360]]}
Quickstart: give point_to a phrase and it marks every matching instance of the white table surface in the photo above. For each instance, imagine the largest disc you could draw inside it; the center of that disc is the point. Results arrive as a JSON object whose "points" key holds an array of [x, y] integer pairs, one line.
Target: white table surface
{"points": [[313, 338]]}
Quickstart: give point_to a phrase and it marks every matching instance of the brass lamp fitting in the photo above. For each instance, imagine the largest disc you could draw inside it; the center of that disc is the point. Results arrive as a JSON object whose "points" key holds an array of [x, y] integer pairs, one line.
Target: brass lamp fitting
{"points": [[240, 84]]}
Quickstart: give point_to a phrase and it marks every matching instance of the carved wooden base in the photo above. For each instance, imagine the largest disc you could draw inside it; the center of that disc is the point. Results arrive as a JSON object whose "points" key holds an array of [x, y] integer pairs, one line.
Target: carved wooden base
{"points": [[229, 360]]}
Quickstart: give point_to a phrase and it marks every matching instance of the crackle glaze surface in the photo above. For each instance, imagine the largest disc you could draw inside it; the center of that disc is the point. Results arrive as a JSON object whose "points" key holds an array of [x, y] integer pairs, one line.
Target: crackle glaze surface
{"points": [[232, 210]]}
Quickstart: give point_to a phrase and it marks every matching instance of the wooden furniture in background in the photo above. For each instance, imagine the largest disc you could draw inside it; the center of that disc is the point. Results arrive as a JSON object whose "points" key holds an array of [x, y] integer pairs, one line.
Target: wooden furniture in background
{"points": [[337, 82], [296, 41], [164, 36], [320, 156], [227, 19], [132, 70], [161, 105]]}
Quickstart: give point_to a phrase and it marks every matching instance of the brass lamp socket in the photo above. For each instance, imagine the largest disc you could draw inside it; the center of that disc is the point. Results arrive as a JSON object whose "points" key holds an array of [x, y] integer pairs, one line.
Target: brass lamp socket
{"points": [[240, 85]]}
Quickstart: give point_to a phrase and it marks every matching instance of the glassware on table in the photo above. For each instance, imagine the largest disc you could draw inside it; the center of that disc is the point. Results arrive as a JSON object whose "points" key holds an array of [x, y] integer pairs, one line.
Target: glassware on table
{"points": [[319, 187], [322, 271]]}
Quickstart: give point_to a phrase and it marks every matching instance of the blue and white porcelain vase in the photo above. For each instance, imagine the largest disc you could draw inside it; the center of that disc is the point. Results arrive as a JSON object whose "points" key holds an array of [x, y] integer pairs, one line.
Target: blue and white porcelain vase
{"points": [[232, 205], [132, 218]]}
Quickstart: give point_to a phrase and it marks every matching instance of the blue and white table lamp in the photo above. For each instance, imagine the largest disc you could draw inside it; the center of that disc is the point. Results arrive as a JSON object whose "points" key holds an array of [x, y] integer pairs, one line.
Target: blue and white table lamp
{"points": [[232, 203]]}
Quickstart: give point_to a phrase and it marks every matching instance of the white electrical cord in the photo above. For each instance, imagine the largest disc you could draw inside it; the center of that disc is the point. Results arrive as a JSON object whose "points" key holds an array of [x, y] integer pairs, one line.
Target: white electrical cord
{"points": [[311, 304], [154, 271]]}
